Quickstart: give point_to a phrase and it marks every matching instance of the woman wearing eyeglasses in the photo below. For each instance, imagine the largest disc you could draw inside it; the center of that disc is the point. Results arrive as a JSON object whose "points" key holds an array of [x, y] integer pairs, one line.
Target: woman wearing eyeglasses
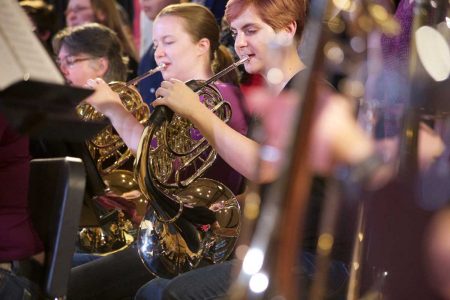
{"points": [[84, 52], [105, 12], [89, 51]]}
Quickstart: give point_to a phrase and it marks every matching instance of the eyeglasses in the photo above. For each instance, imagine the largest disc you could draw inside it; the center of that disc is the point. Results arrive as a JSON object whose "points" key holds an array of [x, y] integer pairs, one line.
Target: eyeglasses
{"points": [[70, 61], [76, 9]]}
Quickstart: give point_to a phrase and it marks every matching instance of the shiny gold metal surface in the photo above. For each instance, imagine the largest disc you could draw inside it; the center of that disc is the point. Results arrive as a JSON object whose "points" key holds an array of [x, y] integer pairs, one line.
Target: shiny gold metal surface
{"points": [[189, 218]]}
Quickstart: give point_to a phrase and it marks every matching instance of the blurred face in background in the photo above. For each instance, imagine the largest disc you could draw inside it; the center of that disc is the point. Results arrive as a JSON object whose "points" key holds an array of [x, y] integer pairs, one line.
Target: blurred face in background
{"points": [[79, 12], [176, 49], [77, 69]]}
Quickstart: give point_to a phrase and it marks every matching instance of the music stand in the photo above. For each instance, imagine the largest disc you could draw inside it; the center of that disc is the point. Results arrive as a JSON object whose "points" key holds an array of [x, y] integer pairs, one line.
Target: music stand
{"points": [[47, 110], [55, 198]]}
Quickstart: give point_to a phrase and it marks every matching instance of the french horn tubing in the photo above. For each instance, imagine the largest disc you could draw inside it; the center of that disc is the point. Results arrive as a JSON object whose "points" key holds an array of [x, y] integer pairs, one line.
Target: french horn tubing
{"points": [[107, 147], [110, 154], [189, 218]]}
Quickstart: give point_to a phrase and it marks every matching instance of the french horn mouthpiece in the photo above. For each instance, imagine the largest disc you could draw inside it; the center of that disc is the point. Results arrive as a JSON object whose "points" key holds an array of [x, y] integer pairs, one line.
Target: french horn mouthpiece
{"points": [[137, 79], [242, 60]]}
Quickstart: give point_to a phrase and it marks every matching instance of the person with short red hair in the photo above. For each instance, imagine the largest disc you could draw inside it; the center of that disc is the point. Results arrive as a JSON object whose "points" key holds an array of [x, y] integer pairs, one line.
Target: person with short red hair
{"points": [[257, 26]]}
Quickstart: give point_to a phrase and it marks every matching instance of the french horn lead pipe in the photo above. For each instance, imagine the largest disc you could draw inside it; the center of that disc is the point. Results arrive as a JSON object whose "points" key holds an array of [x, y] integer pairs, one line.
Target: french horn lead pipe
{"points": [[137, 79], [210, 80], [224, 71]]}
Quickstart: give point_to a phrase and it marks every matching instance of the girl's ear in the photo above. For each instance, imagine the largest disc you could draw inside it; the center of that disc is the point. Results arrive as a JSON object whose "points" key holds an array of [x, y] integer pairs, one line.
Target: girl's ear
{"points": [[203, 45]]}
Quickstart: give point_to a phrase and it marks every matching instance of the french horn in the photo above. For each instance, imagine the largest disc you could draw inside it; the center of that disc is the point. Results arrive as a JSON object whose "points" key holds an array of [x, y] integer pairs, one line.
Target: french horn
{"points": [[111, 158], [189, 218], [107, 148]]}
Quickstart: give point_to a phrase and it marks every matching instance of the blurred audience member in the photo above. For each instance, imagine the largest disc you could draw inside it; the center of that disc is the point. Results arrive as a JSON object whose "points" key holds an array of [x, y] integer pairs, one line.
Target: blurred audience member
{"points": [[43, 18], [145, 32], [104, 12], [85, 52], [89, 51]]}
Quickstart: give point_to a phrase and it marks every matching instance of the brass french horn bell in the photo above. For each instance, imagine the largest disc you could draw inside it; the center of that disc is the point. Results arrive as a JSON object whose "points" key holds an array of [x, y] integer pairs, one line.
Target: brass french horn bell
{"points": [[189, 218]]}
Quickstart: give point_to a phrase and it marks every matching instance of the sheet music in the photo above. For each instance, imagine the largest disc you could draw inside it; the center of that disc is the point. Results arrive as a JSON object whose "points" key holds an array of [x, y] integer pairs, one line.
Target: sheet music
{"points": [[22, 56]]}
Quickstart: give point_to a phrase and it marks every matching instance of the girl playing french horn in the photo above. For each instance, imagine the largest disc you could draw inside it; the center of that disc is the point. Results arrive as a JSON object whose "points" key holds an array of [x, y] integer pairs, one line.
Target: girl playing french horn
{"points": [[186, 38]]}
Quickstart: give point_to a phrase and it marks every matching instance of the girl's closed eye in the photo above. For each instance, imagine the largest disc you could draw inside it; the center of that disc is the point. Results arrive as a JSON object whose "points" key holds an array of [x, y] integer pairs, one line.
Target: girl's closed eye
{"points": [[168, 41], [250, 31]]}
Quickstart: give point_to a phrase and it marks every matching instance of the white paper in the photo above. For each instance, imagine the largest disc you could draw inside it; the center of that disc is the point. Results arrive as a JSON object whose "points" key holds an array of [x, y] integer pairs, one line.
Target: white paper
{"points": [[22, 56]]}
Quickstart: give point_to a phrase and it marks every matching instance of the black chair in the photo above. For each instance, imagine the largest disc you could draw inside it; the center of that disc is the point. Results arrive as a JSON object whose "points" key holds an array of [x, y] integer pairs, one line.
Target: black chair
{"points": [[55, 198]]}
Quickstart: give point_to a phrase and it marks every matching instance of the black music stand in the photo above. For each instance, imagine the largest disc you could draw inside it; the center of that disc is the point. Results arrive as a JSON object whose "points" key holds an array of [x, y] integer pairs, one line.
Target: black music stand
{"points": [[47, 110], [55, 198]]}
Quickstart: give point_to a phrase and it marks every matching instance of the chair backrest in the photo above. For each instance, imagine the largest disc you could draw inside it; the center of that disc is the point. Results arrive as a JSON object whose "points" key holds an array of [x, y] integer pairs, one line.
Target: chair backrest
{"points": [[55, 197]]}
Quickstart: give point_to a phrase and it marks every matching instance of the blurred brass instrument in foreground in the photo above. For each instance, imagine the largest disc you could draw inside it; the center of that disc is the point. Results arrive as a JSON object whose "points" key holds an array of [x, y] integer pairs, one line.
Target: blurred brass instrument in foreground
{"points": [[189, 218], [118, 219]]}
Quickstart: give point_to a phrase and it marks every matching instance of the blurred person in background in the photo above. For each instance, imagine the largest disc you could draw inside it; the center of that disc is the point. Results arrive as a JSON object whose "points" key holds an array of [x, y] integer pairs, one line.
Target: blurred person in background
{"points": [[83, 52], [89, 51], [104, 12], [43, 18]]}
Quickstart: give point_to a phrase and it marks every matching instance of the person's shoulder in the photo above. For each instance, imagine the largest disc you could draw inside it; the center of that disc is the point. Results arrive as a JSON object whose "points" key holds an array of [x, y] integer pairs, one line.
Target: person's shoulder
{"points": [[228, 88], [231, 94], [295, 80], [318, 80]]}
